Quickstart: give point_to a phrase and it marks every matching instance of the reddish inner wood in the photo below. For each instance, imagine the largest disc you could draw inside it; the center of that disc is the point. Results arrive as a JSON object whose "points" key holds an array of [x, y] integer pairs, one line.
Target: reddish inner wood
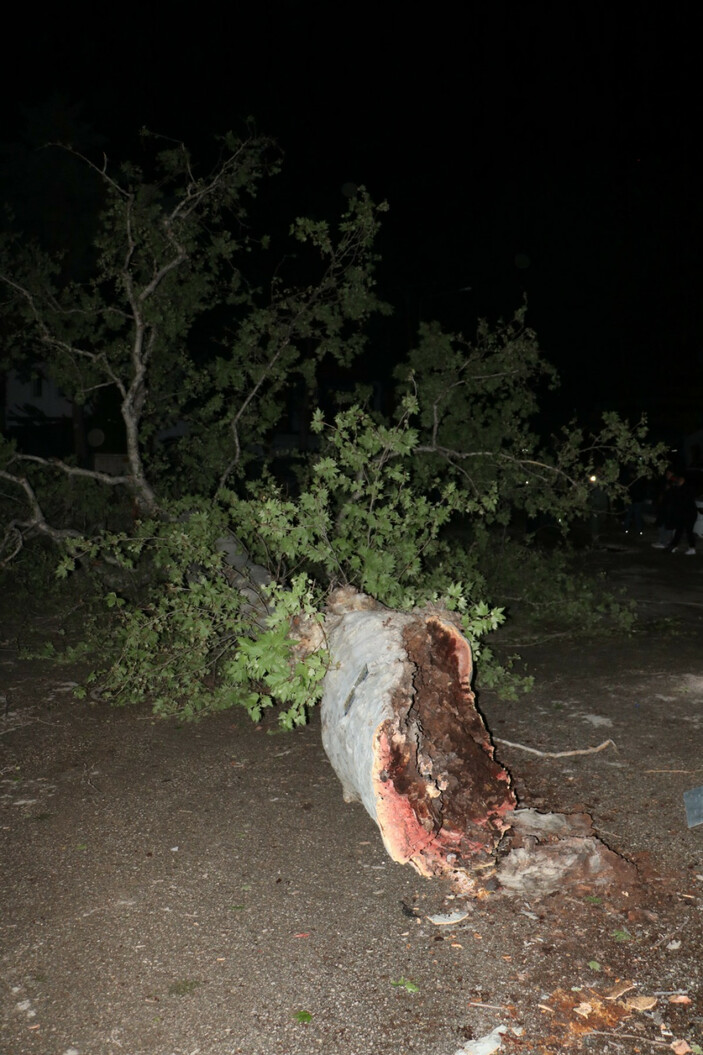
{"points": [[442, 788]]}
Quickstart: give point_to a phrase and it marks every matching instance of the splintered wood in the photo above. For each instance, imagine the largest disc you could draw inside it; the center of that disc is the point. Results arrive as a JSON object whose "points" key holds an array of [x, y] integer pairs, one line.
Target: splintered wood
{"points": [[401, 729]]}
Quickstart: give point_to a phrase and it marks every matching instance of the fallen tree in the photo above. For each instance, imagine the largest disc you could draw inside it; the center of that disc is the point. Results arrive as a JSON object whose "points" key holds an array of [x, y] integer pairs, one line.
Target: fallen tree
{"points": [[402, 732], [225, 578]]}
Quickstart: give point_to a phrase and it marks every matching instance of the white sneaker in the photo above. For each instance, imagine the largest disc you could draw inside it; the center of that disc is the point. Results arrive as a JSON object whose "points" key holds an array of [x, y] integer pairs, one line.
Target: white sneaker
{"points": [[659, 545], [691, 551]]}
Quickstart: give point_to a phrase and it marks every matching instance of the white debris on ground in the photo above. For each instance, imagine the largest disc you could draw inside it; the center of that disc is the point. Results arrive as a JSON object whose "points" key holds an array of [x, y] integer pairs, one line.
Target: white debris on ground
{"points": [[597, 720], [448, 919], [491, 1042]]}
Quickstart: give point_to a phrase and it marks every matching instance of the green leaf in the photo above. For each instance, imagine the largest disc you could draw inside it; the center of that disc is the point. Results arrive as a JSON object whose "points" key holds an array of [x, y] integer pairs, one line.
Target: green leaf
{"points": [[302, 1016], [404, 983]]}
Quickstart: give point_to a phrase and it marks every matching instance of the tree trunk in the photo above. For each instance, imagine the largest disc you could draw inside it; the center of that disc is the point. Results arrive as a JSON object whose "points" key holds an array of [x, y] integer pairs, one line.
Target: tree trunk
{"points": [[401, 729]]}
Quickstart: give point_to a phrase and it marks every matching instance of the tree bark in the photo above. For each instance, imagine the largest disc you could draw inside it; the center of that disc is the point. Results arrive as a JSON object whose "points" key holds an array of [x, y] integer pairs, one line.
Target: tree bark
{"points": [[402, 731]]}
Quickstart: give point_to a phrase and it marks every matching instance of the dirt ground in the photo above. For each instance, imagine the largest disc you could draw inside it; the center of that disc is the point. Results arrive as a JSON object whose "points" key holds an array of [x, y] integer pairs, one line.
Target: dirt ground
{"points": [[205, 891]]}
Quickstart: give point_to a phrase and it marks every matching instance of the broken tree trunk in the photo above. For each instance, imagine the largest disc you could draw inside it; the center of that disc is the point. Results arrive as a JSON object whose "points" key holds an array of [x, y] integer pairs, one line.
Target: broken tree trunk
{"points": [[401, 729]]}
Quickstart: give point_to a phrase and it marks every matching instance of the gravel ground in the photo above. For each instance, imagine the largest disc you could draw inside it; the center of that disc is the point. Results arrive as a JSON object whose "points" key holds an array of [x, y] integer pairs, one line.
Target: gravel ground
{"points": [[205, 890]]}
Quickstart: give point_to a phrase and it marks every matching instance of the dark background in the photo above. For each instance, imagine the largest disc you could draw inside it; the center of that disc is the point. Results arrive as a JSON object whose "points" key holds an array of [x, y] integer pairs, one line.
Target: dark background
{"points": [[548, 150]]}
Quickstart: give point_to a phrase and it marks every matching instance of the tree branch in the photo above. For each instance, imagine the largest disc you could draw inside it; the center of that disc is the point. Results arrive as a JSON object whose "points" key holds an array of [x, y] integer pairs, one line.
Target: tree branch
{"points": [[38, 521], [73, 470]]}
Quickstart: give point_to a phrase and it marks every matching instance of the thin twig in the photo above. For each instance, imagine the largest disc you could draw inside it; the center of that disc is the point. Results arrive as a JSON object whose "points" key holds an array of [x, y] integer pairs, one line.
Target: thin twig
{"points": [[629, 1036], [541, 640], [673, 770], [557, 754], [492, 1007]]}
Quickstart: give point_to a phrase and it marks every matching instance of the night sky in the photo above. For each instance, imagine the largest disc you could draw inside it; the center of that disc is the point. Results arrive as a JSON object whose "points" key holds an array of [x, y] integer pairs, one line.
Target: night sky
{"points": [[547, 150]]}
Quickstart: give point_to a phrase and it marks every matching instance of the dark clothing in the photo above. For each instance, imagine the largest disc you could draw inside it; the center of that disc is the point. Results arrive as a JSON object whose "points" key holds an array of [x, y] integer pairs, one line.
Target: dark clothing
{"points": [[665, 509], [682, 512], [637, 489], [634, 517]]}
